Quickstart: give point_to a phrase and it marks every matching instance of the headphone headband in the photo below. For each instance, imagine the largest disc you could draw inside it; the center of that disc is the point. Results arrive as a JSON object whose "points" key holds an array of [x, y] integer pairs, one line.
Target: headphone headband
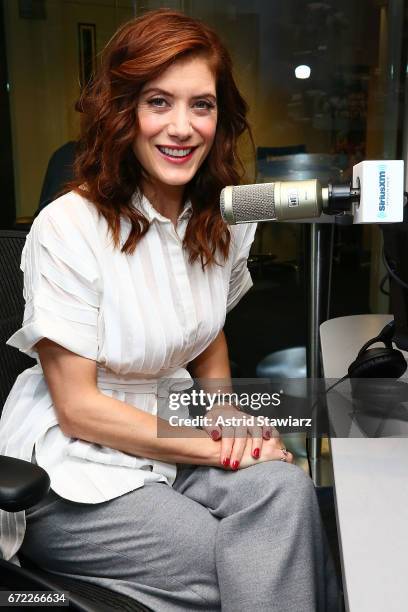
{"points": [[385, 336]]}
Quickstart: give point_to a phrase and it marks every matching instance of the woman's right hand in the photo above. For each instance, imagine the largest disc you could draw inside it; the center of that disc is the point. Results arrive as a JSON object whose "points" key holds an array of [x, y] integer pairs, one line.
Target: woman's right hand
{"points": [[272, 450]]}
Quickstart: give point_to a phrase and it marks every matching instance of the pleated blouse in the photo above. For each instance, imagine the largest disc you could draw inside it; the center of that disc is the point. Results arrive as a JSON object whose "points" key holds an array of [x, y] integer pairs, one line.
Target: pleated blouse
{"points": [[141, 317]]}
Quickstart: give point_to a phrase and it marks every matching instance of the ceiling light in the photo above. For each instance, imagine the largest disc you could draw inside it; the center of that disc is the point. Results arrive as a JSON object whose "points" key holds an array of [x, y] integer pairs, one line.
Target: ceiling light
{"points": [[302, 71]]}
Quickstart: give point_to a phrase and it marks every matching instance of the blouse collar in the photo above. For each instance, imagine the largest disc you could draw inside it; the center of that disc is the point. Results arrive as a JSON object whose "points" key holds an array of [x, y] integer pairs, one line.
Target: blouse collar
{"points": [[141, 202]]}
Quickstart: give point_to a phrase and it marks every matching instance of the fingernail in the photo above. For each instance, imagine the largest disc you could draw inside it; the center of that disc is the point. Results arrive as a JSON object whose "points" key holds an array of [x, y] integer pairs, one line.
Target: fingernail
{"points": [[255, 453], [226, 462], [267, 435], [235, 465], [215, 434]]}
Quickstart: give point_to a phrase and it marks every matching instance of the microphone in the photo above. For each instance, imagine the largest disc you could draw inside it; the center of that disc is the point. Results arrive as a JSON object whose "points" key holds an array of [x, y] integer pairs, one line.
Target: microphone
{"points": [[280, 201], [375, 195]]}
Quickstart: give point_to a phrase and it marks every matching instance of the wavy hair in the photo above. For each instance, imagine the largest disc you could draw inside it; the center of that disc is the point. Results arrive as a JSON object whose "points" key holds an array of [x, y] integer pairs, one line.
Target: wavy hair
{"points": [[106, 170]]}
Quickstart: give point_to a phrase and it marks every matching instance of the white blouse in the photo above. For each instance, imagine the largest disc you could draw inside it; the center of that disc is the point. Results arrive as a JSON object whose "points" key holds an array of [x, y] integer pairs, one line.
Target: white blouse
{"points": [[141, 317]]}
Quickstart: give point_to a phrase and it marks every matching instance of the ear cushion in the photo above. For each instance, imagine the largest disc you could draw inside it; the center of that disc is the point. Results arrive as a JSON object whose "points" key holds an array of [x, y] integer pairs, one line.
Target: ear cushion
{"points": [[378, 363]]}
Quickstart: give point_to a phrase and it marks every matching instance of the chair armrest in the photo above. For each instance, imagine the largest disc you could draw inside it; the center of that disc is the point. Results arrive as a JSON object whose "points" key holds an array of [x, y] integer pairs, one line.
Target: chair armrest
{"points": [[22, 484]]}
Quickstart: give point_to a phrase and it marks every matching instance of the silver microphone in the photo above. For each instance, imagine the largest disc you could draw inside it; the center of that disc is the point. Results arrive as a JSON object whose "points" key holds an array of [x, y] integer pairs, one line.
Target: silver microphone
{"points": [[280, 201]]}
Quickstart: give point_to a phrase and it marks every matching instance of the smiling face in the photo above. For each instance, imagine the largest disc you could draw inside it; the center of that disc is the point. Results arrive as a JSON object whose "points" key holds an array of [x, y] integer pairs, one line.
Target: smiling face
{"points": [[177, 115]]}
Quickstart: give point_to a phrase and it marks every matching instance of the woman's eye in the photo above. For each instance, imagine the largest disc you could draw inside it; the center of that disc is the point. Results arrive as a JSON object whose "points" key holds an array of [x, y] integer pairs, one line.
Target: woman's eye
{"points": [[158, 102], [204, 105]]}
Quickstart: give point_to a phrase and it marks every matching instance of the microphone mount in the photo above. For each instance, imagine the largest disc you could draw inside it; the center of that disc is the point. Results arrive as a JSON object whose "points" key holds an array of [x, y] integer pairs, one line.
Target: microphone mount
{"points": [[338, 199]]}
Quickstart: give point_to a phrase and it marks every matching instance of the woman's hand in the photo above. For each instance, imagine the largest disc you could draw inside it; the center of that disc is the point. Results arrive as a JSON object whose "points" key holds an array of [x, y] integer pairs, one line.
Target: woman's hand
{"points": [[272, 450], [235, 434]]}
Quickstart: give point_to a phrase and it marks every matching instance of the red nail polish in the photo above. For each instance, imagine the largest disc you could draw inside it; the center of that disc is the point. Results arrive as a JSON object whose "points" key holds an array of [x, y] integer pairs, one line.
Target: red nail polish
{"points": [[235, 465], [226, 462], [256, 452], [215, 434], [267, 435]]}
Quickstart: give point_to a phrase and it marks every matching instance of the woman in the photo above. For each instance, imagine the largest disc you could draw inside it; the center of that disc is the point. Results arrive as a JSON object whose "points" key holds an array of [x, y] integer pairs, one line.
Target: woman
{"points": [[128, 277]]}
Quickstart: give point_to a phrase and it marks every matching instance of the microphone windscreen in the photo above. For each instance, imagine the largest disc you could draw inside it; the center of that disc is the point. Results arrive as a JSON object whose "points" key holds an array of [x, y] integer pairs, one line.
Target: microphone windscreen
{"points": [[249, 203]]}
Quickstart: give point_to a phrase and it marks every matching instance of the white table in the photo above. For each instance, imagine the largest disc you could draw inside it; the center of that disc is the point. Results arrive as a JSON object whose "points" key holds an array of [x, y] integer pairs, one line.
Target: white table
{"points": [[371, 489]]}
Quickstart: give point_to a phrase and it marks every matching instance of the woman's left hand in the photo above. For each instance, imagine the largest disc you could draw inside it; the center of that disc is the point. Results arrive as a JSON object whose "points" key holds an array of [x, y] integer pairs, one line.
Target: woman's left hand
{"points": [[233, 430]]}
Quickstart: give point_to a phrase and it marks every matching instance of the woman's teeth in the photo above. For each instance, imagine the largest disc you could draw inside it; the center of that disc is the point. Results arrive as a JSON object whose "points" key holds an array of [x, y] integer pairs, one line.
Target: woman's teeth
{"points": [[175, 152]]}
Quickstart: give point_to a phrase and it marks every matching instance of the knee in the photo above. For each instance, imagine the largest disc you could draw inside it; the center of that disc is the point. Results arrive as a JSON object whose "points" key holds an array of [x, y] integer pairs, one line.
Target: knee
{"points": [[286, 481], [296, 494], [280, 472], [296, 483]]}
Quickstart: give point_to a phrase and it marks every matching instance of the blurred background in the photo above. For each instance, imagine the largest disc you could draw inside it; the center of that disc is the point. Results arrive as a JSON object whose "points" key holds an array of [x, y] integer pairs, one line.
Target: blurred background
{"points": [[325, 82]]}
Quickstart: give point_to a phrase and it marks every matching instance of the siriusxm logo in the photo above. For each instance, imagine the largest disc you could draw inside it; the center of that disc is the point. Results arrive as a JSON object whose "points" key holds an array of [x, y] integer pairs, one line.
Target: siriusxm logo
{"points": [[382, 185]]}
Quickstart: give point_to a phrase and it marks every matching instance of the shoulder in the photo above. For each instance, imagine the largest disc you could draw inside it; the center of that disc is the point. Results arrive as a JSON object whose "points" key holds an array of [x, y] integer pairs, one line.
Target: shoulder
{"points": [[69, 221], [70, 213], [70, 207], [242, 235]]}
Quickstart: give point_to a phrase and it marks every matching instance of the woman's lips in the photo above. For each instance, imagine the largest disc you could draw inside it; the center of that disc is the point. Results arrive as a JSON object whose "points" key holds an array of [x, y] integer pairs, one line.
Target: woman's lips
{"points": [[177, 160]]}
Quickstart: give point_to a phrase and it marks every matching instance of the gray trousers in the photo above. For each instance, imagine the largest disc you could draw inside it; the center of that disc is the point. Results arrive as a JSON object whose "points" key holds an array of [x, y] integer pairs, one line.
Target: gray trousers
{"points": [[217, 540]]}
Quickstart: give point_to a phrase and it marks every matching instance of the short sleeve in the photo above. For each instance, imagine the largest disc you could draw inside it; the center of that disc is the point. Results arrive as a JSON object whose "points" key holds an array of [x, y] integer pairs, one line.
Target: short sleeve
{"points": [[61, 283], [240, 279]]}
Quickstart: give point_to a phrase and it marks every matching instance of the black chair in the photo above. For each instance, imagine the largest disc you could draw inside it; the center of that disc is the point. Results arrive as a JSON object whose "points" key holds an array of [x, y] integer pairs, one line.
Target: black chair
{"points": [[59, 171], [23, 484]]}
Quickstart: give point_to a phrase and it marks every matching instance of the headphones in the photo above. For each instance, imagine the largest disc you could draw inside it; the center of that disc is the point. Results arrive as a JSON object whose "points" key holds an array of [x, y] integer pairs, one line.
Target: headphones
{"points": [[384, 362]]}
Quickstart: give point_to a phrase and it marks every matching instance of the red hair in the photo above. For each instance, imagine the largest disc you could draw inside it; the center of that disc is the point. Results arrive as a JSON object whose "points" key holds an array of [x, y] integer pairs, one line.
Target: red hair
{"points": [[140, 51]]}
